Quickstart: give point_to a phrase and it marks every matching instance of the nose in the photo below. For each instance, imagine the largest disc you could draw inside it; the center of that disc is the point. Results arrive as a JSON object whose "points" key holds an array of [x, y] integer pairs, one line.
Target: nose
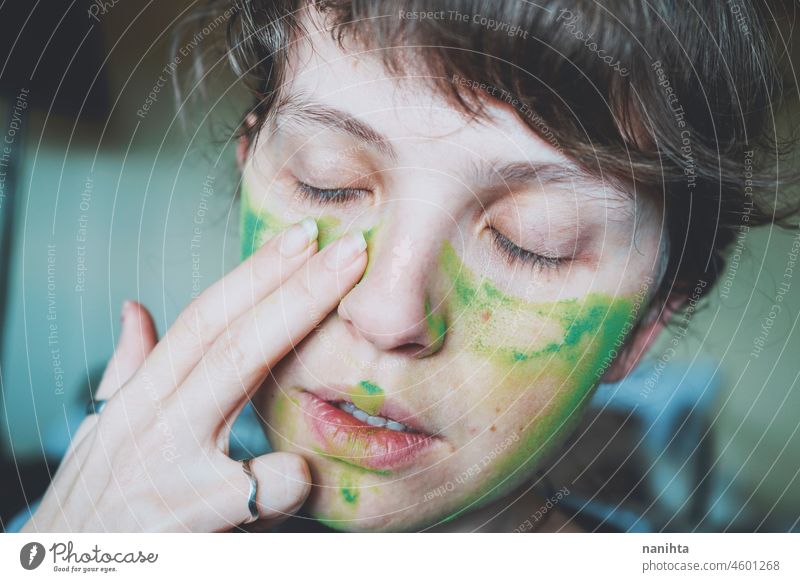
{"points": [[391, 307]]}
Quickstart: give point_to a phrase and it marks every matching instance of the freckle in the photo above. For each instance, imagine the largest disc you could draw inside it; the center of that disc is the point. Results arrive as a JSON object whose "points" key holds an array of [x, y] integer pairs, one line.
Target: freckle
{"points": [[497, 409], [493, 428]]}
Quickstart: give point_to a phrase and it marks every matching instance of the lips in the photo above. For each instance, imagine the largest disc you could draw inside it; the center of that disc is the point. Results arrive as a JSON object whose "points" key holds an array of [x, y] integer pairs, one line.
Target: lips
{"points": [[354, 441]]}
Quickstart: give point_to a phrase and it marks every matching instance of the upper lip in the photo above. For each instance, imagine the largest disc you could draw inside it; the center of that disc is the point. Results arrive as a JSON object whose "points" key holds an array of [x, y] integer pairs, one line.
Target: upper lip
{"points": [[390, 408]]}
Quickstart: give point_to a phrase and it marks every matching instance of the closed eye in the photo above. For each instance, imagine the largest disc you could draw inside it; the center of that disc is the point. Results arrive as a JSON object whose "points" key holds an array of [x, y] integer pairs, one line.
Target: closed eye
{"points": [[329, 196], [515, 254]]}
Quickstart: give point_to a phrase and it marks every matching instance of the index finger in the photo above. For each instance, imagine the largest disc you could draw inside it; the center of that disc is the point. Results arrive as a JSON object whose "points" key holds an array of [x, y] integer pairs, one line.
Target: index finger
{"points": [[199, 325], [242, 355]]}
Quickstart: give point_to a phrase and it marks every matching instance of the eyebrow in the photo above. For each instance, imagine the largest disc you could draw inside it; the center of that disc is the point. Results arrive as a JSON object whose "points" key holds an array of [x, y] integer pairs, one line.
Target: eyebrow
{"points": [[299, 110], [513, 174]]}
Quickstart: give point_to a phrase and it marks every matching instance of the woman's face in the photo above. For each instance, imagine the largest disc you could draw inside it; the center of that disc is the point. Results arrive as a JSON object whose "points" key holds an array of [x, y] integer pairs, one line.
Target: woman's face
{"points": [[500, 283]]}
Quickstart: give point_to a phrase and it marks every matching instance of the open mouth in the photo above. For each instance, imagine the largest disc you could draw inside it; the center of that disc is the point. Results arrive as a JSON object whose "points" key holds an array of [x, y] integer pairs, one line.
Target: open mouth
{"points": [[371, 441], [379, 421]]}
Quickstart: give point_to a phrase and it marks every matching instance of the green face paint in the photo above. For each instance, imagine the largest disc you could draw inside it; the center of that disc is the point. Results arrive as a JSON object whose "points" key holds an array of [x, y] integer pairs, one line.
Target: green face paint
{"points": [[255, 227], [573, 342], [368, 397], [437, 327], [258, 226], [328, 232], [347, 489], [488, 318]]}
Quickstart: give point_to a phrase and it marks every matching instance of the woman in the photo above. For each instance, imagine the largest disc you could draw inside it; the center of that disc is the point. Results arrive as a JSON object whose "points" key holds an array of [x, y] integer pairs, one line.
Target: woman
{"points": [[458, 218]]}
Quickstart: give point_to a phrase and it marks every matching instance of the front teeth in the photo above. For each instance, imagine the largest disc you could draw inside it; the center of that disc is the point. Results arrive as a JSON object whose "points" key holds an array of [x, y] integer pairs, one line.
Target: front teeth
{"points": [[378, 421], [392, 425]]}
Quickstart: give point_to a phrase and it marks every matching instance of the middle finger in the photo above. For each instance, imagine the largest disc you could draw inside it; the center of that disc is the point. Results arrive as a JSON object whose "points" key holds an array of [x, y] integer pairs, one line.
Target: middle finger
{"points": [[242, 355], [199, 325]]}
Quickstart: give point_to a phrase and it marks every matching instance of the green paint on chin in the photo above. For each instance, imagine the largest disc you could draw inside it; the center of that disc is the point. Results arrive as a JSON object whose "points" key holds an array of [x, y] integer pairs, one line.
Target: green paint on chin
{"points": [[348, 489], [368, 397], [337, 524], [349, 495]]}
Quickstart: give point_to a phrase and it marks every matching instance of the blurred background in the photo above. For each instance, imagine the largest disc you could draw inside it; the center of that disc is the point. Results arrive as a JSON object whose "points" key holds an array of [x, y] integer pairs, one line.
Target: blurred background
{"points": [[107, 196]]}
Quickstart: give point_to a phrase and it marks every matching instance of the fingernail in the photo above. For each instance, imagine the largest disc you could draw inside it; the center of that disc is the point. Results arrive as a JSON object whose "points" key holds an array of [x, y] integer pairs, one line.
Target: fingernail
{"points": [[348, 248], [298, 237]]}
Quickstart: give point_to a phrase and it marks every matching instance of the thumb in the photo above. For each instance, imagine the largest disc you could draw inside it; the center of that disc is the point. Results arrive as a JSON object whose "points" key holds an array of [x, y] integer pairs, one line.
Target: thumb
{"points": [[137, 339], [284, 483]]}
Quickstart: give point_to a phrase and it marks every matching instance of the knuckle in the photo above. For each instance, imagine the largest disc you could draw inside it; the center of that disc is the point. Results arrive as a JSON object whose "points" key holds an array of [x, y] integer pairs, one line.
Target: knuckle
{"points": [[193, 321], [227, 356]]}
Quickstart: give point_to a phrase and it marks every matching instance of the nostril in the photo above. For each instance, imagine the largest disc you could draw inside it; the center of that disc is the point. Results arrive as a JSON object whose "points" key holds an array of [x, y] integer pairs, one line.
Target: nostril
{"points": [[411, 350]]}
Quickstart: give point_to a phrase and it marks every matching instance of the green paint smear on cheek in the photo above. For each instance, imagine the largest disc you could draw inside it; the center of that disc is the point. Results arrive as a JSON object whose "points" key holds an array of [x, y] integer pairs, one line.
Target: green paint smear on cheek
{"points": [[576, 341], [436, 323], [328, 233], [369, 236], [258, 226], [368, 397], [255, 227], [491, 320]]}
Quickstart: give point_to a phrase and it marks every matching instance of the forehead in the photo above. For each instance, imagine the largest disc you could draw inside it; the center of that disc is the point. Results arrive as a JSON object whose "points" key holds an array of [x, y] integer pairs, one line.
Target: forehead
{"points": [[406, 109]]}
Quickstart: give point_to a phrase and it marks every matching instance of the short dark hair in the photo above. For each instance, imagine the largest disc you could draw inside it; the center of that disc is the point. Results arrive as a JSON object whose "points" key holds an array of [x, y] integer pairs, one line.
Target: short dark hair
{"points": [[675, 100]]}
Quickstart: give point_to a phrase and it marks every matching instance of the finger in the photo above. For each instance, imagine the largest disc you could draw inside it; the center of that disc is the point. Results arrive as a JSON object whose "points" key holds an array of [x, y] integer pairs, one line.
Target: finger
{"points": [[203, 320], [241, 357], [284, 482], [137, 339]]}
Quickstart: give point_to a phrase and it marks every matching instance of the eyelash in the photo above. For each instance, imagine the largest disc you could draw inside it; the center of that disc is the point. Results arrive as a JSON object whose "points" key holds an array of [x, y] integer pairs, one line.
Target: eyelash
{"points": [[327, 196], [515, 254], [511, 252]]}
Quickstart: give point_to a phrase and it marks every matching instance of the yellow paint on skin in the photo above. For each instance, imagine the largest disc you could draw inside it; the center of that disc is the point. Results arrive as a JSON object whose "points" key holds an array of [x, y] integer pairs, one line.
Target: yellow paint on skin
{"points": [[279, 418], [328, 232], [574, 341], [368, 397], [492, 322], [258, 226]]}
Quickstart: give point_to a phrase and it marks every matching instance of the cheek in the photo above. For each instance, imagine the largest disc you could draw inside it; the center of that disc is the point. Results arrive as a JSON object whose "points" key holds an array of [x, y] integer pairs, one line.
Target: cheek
{"points": [[255, 226], [533, 365], [572, 338], [258, 225]]}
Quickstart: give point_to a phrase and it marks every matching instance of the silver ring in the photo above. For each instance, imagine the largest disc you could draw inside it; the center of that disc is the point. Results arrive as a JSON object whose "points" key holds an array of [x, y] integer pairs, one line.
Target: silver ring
{"points": [[95, 406], [251, 500]]}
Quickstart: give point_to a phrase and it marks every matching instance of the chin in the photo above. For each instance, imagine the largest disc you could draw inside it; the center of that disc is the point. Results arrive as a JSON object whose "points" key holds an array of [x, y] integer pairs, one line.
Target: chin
{"points": [[377, 519]]}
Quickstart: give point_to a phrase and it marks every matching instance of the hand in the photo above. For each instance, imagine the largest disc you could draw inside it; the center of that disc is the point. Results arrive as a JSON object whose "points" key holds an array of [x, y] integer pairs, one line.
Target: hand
{"points": [[156, 457]]}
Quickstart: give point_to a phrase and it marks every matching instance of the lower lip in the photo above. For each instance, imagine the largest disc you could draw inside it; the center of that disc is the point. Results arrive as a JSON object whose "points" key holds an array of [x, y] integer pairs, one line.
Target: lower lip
{"points": [[359, 443]]}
